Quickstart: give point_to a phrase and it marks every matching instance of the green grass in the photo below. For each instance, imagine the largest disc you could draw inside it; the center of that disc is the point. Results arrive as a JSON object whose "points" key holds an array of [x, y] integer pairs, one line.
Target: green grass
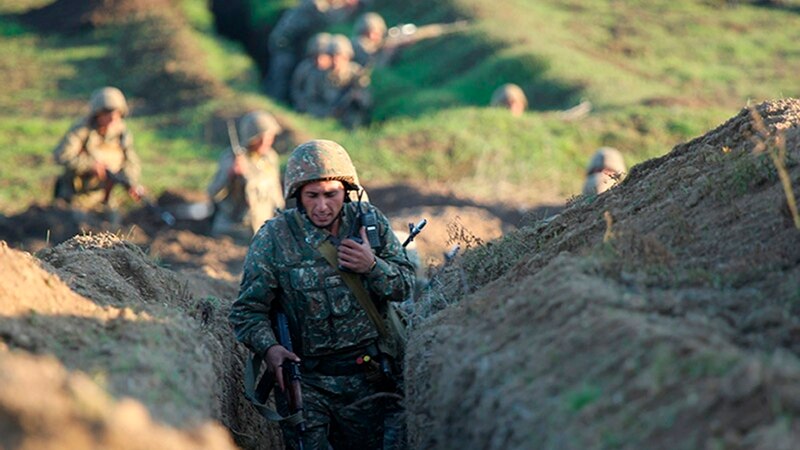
{"points": [[657, 74]]}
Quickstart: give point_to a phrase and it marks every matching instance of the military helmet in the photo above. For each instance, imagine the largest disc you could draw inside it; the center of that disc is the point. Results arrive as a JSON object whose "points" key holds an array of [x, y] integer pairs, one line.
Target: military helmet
{"points": [[606, 158], [507, 93], [254, 123], [108, 99], [318, 44], [340, 45], [318, 160], [369, 21]]}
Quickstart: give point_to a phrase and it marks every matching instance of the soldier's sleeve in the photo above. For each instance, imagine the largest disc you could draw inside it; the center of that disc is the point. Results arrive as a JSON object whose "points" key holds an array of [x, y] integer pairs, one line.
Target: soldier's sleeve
{"points": [[249, 314], [70, 151], [220, 179], [393, 278], [132, 167]]}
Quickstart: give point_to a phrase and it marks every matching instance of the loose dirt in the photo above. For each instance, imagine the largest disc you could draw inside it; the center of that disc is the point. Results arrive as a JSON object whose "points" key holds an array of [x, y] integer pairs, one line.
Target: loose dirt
{"points": [[661, 314]]}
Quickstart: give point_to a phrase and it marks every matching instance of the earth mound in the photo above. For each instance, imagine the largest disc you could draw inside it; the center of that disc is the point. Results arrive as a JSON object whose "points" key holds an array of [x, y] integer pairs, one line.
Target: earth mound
{"points": [[45, 406], [660, 314], [100, 305]]}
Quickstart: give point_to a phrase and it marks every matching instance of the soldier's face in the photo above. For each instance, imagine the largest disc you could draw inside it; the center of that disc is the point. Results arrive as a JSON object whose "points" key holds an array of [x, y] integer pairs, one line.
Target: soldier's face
{"points": [[262, 143], [323, 61], [105, 118], [323, 201]]}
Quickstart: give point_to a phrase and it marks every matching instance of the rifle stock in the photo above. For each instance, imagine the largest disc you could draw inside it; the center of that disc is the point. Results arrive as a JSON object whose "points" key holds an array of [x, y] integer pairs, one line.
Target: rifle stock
{"points": [[121, 179], [291, 376]]}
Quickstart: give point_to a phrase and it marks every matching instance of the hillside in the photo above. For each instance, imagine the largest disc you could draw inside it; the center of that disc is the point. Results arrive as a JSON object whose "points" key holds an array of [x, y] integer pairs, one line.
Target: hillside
{"points": [[661, 314]]}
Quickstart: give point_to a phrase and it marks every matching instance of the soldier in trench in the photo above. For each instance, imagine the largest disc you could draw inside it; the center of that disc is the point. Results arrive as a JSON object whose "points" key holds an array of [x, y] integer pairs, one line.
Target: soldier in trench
{"points": [[246, 188], [300, 262], [97, 153]]}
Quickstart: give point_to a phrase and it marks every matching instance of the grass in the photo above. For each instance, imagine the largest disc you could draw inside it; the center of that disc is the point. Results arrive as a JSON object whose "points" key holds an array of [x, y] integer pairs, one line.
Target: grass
{"points": [[657, 74]]}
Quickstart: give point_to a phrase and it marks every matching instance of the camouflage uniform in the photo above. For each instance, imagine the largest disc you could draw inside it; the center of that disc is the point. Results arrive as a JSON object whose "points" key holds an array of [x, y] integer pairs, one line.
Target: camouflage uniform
{"points": [[330, 328], [509, 94], [344, 88], [250, 198], [290, 34], [606, 168], [83, 146], [364, 48], [308, 77]]}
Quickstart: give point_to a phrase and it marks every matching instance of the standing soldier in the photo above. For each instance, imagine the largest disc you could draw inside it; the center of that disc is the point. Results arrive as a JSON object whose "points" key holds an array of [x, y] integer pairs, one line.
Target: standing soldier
{"points": [[606, 168], [97, 153], [307, 78], [511, 97], [246, 188], [290, 35], [305, 262]]}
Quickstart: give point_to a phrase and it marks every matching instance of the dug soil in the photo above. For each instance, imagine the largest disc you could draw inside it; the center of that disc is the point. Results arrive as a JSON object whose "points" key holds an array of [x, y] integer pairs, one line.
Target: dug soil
{"points": [[663, 313]]}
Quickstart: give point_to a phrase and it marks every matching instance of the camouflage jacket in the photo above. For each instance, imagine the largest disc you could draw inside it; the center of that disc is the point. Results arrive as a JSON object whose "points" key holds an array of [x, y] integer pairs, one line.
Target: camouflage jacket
{"points": [[306, 89], [255, 194], [82, 146], [283, 267], [297, 25]]}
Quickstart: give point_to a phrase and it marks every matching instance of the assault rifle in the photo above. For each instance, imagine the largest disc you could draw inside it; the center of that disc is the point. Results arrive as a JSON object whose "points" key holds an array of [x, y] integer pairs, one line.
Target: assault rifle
{"points": [[406, 34], [121, 179], [234, 138], [291, 377]]}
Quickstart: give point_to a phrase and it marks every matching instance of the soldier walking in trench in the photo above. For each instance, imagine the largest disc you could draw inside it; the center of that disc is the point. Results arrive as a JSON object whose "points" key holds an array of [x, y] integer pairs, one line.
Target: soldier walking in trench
{"points": [[303, 262], [96, 153]]}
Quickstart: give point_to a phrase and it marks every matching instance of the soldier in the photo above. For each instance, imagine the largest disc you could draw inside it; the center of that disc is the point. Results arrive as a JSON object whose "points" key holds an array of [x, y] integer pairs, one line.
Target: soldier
{"points": [[511, 97], [369, 32], [246, 188], [345, 93], [606, 168], [97, 153], [292, 264], [291, 33], [307, 78]]}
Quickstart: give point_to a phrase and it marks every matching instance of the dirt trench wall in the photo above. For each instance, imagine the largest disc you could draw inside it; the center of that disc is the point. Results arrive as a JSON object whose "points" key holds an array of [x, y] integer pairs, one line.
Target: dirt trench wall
{"points": [[662, 314], [101, 307]]}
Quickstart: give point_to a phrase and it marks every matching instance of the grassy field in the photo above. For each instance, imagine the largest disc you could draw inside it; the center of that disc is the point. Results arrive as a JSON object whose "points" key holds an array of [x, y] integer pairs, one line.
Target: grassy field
{"points": [[657, 74]]}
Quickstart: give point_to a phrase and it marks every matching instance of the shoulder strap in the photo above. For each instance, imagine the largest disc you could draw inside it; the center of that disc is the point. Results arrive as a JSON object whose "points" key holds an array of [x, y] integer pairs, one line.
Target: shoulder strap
{"points": [[328, 251], [258, 393]]}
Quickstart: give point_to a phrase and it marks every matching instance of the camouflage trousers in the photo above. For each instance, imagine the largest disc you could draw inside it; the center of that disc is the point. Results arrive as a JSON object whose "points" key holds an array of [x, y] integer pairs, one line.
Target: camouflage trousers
{"points": [[345, 412]]}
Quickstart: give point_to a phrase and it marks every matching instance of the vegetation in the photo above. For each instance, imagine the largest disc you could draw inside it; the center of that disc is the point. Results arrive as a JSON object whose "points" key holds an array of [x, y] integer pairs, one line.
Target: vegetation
{"points": [[657, 74]]}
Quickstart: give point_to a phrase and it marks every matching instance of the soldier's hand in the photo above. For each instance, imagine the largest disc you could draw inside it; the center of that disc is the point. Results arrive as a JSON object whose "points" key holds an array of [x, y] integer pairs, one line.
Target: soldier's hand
{"points": [[137, 192], [276, 355], [99, 170], [356, 257], [238, 165]]}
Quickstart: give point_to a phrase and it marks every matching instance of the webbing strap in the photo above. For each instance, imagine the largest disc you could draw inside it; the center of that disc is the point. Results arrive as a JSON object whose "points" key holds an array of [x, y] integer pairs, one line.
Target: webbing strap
{"points": [[328, 251], [354, 283], [255, 392]]}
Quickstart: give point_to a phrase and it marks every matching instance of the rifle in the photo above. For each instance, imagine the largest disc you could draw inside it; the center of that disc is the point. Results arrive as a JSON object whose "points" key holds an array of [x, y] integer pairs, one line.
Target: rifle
{"points": [[414, 230], [121, 179], [291, 376], [347, 96], [234, 138], [405, 34]]}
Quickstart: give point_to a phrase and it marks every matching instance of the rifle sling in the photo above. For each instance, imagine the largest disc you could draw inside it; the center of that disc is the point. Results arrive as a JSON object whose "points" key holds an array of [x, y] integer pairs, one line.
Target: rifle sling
{"points": [[256, 392], [353, 281]]}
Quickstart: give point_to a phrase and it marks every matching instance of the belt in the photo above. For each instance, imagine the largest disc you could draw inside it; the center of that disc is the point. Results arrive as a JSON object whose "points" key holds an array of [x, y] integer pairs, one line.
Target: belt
{"points": [[350, 362]]}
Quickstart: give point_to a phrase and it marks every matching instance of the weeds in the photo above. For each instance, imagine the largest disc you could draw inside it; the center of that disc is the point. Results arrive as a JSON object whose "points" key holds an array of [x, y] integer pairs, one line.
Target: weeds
{"points": [[774, 145]]}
